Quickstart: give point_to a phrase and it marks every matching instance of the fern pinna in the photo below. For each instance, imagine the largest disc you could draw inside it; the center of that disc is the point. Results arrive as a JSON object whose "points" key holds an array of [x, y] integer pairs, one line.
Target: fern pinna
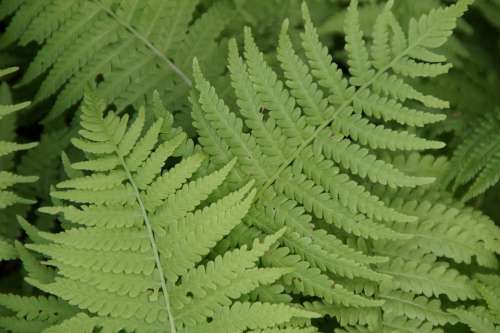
{"points": [[128, 48], [313, 141], [430, 270], [476, 161], [8, 198], [485, 317], [136, 253]]}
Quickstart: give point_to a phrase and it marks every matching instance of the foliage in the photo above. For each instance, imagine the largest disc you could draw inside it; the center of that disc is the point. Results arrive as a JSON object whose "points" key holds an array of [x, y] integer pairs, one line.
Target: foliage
{"points": [[8, 179], [122, 42], [477, 159], [250, 166], [485, 317], [133, 226]]}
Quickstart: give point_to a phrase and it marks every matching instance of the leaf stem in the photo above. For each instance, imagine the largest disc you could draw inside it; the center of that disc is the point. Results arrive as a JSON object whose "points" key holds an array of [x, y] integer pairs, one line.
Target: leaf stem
{"points": [[148, 44], [341, 108], [152, 241]]}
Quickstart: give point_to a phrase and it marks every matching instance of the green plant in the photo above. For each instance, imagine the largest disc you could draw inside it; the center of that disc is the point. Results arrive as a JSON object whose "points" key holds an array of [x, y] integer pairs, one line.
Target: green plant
{"points": [[287, 176], [126, 47], [8, 198], [134, 252], [310, 142], [477, 159], [483, 318]]}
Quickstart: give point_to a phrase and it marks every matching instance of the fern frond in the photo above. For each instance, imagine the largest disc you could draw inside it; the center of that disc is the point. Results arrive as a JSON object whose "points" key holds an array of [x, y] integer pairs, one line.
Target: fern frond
{"points": [[7, 251], [482, 318], [477, 159], [8, 197], [415, 307], [347, 315], [428, 277], [137, 257], [44, 159], [311, 282], [135, 47], [477, 318], [464, 233], [26, 11], [33, 313], [241, 316], [312, 138]]}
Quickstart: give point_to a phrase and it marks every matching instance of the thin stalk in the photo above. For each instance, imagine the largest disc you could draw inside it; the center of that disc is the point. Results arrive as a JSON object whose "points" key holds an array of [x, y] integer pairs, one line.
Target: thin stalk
{"points": [[152, 241], [148, 44], [326, 123]]}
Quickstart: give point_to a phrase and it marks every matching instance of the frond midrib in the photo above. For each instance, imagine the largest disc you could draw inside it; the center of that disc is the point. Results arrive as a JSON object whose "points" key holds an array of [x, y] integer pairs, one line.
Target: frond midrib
{"points": [[147, 43], [341, 108], [149, 229], [428, 279], [436, 238], [417, 305], [152, 241]]}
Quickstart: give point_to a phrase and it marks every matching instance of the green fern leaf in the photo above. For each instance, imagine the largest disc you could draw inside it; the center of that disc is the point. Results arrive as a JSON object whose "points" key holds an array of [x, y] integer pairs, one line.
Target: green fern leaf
{"points": [[142, 47], [8, 179], [477, 158], [142, 234], [33, 313], [311, 138]]}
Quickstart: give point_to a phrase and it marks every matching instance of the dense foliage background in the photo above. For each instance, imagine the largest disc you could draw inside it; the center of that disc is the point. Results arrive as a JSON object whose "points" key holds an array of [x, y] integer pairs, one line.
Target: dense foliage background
{"points": [[130, 54]]}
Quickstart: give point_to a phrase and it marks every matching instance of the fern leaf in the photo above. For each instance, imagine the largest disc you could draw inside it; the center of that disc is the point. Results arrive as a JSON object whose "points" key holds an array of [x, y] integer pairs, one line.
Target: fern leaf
{"points": [[359, 61], [136, 252], [311, 138], [415, 307], [488, 177], [464, 233], [32, 265], [429, 278], [477, 319], [24, 14], [133, 39], [8, 180], [242, 316], [311, 282], [7, 251], [476, 159], [32, 313], [347, 315]]}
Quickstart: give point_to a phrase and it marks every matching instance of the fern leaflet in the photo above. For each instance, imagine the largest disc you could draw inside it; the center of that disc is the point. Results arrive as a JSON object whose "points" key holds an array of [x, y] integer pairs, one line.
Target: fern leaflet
{"points": [[8, 179], [309, 139]]}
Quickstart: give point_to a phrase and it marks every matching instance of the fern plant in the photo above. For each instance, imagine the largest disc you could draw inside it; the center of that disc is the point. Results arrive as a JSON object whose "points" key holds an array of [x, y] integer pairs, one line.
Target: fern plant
{"points": [[449, 240], [477, 159], [302, 189], [8, 197], [486, 317], [313, 140], [134, 254], [128, 48]]}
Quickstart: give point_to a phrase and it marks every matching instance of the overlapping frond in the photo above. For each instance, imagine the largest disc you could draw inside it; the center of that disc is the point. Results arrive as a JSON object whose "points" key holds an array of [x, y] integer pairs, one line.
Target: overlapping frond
{"points": [[8, 179], [128, 48], [305, 191], [33, 314], [312, 139], [135, 256], [476, 161], [484, 317], [429, 267]]}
